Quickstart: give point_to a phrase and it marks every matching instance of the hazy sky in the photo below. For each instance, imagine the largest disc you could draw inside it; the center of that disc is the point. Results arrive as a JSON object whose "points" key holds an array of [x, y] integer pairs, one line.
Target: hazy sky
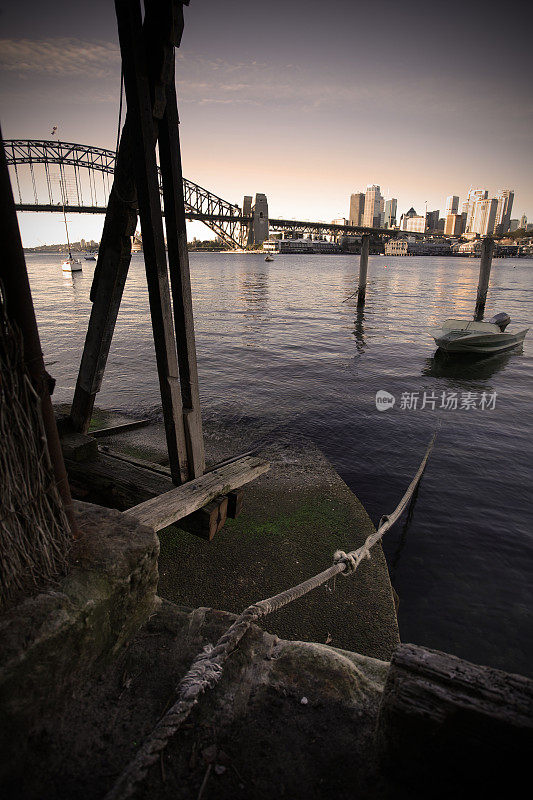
{"points": [[304, 100]]}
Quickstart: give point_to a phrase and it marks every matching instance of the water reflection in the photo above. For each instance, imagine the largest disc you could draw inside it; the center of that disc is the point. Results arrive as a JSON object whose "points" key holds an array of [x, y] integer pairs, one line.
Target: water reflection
{"points": [[466, 367], [359, 331], [254, 296]]}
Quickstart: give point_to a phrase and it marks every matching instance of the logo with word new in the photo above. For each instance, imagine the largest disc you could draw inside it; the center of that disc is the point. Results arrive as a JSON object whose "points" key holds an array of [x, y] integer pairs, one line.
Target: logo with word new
{"points": [[384, 400]]}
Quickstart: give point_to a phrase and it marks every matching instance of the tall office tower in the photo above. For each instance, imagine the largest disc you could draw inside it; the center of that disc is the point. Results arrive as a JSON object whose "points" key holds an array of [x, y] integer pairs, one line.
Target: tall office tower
{"points": [[454, 225], [452, 204], [473, 196], [391, 207], [372, 215], [432, 220], [505, 199], [357, 208], [484, 216], [523, 222]]}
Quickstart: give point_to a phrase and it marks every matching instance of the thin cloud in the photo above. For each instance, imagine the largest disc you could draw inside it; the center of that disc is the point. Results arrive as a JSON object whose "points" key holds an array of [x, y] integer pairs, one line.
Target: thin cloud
{"points": [[60, 57]]}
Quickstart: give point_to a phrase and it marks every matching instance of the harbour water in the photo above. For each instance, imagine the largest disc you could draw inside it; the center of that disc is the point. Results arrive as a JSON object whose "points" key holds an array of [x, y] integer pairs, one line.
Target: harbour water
{"points": [[278, 348]]}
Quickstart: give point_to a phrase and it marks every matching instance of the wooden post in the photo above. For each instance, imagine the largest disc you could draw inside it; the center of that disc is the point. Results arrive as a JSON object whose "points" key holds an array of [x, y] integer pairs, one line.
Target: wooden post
{"points": [[132, 47], [487, 249], [447, 720], [178, 258], [114, 258], [363, 269]]}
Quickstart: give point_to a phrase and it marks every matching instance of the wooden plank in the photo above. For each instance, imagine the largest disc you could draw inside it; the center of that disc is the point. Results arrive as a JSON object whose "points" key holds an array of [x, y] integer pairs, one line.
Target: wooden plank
{"points": [[208, 520], [442, 717], [126, 426], [172, 506], [77, 447], [139, 101], [114, 483], [178, 259]]}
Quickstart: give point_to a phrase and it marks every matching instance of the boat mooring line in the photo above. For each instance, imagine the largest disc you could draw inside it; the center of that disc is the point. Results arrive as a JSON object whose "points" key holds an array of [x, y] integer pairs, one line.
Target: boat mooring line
{"points": [[206, 669]]}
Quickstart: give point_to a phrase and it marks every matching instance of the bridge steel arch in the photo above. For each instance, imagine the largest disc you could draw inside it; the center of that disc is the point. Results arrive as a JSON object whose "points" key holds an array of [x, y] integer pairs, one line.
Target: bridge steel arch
{"points": [[222, 217]]}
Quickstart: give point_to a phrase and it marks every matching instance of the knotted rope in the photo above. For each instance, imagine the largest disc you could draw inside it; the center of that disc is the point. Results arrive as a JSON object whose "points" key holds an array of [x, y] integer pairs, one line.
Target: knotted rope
{"points": [[206, 670]]}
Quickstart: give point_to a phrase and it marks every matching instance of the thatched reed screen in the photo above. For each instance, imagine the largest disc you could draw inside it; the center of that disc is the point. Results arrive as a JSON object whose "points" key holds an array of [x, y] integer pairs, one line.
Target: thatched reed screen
{"points": [[34, 531]]}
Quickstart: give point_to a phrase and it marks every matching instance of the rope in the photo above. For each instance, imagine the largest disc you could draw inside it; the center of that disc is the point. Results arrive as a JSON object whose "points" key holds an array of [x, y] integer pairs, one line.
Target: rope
{"points": [[206, 670]]}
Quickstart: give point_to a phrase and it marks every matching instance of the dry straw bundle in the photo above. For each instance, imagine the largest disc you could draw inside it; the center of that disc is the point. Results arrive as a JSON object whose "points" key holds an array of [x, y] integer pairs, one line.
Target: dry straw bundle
{"points": [[34, 531]]}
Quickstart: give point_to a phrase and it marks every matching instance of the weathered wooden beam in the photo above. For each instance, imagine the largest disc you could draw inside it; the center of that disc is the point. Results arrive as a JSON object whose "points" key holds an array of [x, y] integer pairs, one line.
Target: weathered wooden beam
{"points": [[487, 250], [139, 100], [178, 260], [126, 426], [114, 258], [445, 723], [172, 506], [162, 29], [77, 447], [363, 269], [208, 520]]}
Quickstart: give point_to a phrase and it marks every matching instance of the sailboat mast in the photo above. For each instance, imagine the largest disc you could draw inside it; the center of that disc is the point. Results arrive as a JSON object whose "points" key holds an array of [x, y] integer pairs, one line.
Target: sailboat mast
{"points": [[55, 130]]}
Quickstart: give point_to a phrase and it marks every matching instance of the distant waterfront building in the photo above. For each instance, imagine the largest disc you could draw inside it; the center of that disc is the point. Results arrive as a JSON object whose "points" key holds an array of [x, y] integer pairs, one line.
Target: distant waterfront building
{"points": [[432, 220], [523, 222], [405, 217], [474, 195], [513, 225], [340, 221], [454, 225], [484, 216], [357, 208], [505, 199], [416, 224], [452, 204], [391, 207], [300, 246], [373, 207], [405, 247]]}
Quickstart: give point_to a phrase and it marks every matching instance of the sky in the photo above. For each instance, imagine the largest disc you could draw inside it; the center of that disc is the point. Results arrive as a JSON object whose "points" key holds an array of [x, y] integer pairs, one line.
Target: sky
{"points": [[303, 100]]}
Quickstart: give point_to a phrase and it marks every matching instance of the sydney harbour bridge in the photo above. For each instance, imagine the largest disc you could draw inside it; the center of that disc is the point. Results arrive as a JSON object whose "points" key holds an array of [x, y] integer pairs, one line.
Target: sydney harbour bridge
{"points": [[49, 175]]}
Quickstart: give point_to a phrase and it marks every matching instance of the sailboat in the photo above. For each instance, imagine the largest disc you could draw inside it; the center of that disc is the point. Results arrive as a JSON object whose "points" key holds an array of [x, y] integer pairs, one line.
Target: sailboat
{"points": [[70, 264]]}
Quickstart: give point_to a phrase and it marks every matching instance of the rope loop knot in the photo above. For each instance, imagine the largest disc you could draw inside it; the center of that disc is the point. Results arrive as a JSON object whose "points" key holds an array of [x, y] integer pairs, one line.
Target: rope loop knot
{"points": [[347, 559]]}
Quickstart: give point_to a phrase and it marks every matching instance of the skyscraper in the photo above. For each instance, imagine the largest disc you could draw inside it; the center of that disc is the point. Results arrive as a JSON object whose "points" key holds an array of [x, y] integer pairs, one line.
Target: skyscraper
{"points": [[523, 222], [390, 213], [505, 199], [454, 225], [484, 216], [473, 196], [452, 204], [432, 220], [357, 208], [373, 209]]}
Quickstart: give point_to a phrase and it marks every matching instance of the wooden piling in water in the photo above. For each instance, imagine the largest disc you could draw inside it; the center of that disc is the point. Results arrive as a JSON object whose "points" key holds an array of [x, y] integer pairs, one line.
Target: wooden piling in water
{"points": [[363, 269], [487, 249]]}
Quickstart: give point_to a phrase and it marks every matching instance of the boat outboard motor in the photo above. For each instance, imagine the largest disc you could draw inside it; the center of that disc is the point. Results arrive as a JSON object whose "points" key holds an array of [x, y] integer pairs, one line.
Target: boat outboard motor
{"points": [[501, 320]]}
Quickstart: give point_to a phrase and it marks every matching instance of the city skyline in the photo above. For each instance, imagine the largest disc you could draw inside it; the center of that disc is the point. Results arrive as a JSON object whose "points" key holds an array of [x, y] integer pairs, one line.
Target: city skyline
{"points": [[286, 103]]}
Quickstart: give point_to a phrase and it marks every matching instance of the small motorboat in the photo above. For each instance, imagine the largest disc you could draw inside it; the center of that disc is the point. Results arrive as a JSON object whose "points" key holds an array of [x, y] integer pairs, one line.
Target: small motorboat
{"points": [[269, 258], [468, 336], [71, 264], [90, 258]]}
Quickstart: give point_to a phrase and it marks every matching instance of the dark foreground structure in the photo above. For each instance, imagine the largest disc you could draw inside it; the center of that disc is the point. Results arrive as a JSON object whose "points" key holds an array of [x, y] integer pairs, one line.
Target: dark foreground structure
{"points": [[109, 690]]}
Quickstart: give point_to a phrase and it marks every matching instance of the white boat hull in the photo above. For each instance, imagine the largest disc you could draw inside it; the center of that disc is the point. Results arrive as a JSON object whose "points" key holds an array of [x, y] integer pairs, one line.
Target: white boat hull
{"points": [[71, 266], [458, 342]]}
